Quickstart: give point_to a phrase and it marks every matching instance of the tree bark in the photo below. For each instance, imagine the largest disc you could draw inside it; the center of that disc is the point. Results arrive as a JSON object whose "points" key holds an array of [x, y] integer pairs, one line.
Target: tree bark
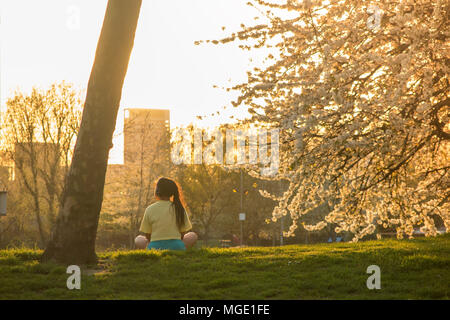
{"points": [[73, 239]]}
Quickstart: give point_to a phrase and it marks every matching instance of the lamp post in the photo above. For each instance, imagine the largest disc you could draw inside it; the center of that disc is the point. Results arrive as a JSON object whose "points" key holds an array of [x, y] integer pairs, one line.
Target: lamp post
{"points": [[281, 219], [281, 232], [242, 215], [2, 211]]}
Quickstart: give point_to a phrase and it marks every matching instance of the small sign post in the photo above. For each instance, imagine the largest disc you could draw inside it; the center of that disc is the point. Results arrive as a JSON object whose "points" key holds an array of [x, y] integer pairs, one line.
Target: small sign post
{"points": [[241, 219]]}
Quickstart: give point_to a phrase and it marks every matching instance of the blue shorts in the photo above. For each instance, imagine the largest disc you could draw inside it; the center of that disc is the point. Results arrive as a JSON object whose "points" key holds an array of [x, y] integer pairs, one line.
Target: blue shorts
{"points": [[172, 244]]}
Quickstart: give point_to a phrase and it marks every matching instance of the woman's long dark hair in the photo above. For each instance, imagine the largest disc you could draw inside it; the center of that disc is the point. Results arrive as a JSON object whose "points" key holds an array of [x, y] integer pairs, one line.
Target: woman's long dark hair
{"points": [[166, 188]]}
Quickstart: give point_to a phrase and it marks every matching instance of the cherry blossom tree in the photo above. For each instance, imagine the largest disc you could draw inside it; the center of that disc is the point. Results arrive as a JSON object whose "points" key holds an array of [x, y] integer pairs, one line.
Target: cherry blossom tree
{"points": [[360, 93]]}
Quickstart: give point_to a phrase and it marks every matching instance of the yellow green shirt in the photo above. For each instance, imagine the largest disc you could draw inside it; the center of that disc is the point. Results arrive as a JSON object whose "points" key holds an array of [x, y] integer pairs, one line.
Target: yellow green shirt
{"points": [[160, 220]]}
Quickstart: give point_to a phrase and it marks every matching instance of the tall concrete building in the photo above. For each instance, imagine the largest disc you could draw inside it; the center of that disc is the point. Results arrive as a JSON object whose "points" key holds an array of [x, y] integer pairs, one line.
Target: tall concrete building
{"points": [[146, 135]]}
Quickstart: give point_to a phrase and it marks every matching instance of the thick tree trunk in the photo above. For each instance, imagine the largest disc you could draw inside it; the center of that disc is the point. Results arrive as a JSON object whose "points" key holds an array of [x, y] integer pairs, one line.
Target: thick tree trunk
{"points": [[73, 239]]}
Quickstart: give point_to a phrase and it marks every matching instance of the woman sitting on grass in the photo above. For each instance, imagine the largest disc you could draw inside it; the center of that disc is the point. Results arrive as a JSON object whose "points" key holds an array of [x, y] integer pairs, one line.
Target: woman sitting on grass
{"points": [[165, 222]]}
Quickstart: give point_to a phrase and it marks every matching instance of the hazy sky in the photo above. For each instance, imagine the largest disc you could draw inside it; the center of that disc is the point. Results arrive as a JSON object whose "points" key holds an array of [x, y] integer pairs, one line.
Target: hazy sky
{"points": [[42, 42]]}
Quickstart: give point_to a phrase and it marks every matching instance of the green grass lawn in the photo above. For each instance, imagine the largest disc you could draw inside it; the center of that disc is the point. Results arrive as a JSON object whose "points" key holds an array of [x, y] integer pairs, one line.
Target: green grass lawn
{"points": [[410, 269]]}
